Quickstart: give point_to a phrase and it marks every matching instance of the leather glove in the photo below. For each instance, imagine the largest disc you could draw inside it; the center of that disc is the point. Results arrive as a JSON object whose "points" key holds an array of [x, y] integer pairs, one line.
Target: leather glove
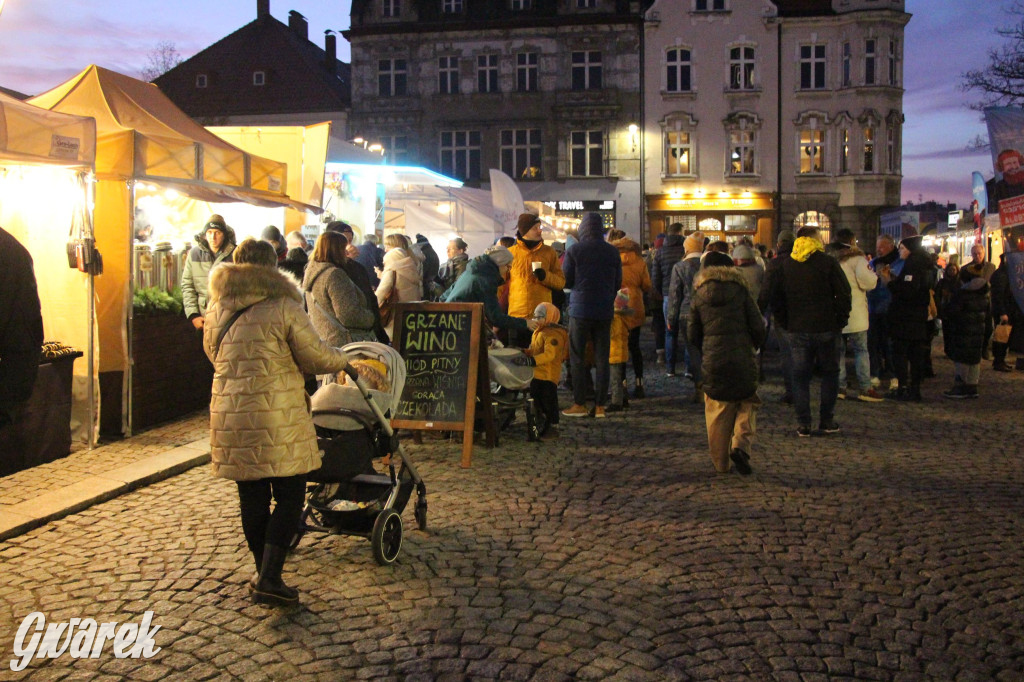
{"points": [[540, 274], [524, 361]]}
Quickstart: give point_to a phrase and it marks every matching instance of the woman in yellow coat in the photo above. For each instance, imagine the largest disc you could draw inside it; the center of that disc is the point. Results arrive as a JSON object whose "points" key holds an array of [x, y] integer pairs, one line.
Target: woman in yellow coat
{"points": [[530, 286], [636, 279]]}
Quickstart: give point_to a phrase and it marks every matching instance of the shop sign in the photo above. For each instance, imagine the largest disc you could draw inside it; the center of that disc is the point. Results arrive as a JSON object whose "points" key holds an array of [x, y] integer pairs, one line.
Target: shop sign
{"points": [[64, 147], [739, 203], [1011, 211], [581, 205]]}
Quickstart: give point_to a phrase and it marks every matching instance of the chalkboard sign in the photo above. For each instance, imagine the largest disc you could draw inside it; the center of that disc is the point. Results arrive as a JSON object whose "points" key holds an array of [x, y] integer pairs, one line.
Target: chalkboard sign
{"points": [[441, 346]]}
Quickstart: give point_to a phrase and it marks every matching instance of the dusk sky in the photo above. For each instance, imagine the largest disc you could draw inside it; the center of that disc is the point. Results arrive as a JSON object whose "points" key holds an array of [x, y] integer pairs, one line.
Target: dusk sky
{"points": [[44, 42]]}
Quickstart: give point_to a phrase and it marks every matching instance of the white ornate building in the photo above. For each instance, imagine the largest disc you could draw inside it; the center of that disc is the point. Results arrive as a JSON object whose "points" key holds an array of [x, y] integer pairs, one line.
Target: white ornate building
{"points": [[761, 115]]}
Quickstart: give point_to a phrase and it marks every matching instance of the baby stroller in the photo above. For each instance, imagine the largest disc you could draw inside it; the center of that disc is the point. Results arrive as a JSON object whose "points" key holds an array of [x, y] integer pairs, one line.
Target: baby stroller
{"points": [[510, 389], [347, 495]]}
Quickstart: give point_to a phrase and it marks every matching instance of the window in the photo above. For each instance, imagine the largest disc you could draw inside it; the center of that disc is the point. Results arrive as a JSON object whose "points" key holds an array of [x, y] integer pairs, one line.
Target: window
{"points": [[586, 70], [678, 152], [391, 77], [448, 75], [397, 149], [890, 148], [708, 5], [869, 61], [526, 72], [520, 153], [201, 80], [677, 70], [460, 154], [893, 71], [869, 150], [391, 8], [487, 73], [846, 65], [815, 219], [812, 67], [586, 156], [741, 68], [741, 152], [812, 151], [586, 4], [452, 6], [743, 222], [844, 151], [518, 5], [259, 77]]}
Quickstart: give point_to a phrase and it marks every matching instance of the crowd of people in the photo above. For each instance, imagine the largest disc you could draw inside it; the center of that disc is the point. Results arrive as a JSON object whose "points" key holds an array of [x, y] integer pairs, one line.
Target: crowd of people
{"points": [[576, 309]]}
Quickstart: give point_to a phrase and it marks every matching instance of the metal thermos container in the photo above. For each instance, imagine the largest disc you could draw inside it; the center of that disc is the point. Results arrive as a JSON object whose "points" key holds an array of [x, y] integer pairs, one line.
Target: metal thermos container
{"points": [[165, 266], [142, 265]]}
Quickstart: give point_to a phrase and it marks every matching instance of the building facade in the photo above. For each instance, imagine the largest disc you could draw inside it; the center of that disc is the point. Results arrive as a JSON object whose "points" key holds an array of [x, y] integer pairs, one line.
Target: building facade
{"points": [[762, 116], [547, 91]]}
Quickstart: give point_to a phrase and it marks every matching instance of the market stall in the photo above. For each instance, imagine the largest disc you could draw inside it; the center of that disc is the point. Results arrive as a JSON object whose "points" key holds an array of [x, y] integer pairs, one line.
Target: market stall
{"points": [[46, 161], [145, 144]]}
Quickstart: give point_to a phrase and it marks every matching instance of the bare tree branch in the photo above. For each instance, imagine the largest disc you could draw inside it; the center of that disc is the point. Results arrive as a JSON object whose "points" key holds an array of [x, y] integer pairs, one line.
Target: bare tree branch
{"points": [[162, 59]]}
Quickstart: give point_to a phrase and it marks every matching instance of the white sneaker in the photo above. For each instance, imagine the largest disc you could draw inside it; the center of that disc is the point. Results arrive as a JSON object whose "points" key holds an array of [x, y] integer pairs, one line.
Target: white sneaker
{"points": [[875, 383], [894, 384]]}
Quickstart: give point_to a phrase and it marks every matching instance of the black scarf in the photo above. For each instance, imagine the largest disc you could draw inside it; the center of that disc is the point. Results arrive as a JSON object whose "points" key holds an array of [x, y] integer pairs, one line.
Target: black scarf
{"points": [[529, 243]]}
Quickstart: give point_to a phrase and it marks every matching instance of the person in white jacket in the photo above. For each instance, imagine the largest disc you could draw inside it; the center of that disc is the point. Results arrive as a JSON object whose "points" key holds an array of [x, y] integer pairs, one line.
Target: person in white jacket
{"points": [[401, 280], [862, 280]]}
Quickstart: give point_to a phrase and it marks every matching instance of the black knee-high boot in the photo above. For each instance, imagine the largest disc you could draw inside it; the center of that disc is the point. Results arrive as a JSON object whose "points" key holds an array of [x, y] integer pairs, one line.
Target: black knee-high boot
{"points": [[270, 588]]}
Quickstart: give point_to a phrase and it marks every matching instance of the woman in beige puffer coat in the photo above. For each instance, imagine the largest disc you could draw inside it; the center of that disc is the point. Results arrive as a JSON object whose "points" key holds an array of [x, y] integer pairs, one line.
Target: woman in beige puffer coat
{"points": [[261, 431], [402, 274]]}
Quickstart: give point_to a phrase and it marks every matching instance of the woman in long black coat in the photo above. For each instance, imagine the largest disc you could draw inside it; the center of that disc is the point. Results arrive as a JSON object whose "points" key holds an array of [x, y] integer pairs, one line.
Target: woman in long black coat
{"points": [[963, 333], [908, 317]]}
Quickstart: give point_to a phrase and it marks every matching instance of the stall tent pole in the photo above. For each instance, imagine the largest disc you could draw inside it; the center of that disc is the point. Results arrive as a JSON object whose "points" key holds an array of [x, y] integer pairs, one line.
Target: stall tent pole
{"points": [[90, 201], [130, 366]]}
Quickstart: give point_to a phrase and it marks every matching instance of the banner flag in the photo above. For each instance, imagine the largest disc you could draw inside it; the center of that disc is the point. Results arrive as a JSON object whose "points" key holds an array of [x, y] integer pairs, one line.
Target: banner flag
{"points": [[507, 201]]}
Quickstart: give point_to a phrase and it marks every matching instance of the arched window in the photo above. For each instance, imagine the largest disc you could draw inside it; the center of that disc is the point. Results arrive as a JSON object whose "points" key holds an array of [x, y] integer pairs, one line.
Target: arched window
{"points": [[815, 219]]}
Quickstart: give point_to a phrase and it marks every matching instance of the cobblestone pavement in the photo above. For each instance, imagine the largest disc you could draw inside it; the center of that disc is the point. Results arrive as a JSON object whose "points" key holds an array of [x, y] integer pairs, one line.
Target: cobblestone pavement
{"points": [[892, 551]]}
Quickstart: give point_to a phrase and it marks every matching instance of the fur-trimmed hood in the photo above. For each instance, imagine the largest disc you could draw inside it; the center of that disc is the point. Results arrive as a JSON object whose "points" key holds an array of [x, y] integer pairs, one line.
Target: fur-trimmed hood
{"points": [[846, 252], [237, 285], [718, 273], [627, 245]]}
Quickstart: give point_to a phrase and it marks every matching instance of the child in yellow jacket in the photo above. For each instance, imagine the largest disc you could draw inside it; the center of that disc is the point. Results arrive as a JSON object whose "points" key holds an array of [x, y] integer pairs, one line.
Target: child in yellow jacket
{"points": [[549, 347], [619, 352]]}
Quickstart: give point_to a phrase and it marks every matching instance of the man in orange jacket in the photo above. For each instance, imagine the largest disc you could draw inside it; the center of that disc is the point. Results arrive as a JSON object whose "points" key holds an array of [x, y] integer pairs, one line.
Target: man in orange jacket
{"points": [[535, 272]]}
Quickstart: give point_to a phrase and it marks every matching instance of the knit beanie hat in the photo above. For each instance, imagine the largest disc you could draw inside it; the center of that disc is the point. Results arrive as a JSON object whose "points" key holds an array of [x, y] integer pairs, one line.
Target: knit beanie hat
{"points": [[621, 300], [694, 243], [715, 258], [499, 254], [742, 252], [548, 312], [526, 221], [271, 233], [912, 243], [786, 238], [216, 222]]}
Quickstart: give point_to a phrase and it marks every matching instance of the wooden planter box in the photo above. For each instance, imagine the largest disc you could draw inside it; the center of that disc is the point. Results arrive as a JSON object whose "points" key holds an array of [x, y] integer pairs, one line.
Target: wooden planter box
{"points": [[172, 376]]}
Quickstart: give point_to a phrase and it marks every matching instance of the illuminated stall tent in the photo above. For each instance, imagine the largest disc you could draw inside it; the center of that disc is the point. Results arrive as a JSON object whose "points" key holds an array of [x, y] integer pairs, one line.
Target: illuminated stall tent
{"points": [[46, 161], [143, 139]]}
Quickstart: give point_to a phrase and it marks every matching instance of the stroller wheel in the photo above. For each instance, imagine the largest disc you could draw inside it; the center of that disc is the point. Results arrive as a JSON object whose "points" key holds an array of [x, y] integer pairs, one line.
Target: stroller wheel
{"points": [[386, 539]]}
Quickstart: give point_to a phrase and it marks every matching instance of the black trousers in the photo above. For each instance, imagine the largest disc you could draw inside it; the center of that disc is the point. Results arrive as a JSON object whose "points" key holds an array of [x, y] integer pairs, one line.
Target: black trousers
{"points": [[263, 526], [545, 399], [916, 354], [635, 354]]}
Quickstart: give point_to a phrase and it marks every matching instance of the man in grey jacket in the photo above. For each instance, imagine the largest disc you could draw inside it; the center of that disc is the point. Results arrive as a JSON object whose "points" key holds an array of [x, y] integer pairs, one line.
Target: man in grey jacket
{"points": [[213, 245]]}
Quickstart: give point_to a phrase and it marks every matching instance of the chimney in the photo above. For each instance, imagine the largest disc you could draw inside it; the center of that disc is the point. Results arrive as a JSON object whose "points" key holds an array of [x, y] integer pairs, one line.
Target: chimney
{"points": [[262, 8], [298, 24], [331, 51]]}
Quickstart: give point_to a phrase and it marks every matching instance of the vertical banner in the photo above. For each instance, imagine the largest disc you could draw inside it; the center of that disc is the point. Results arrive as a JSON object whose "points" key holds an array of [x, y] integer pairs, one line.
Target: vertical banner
{"points": [[1006, 137]]}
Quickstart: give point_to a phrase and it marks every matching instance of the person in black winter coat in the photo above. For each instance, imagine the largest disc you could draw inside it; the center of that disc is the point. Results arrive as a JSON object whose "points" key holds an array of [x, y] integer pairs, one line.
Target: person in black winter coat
{"points": [[593, 272], [1004, 311], [21, 328], [963, 332], [431, 266], [727, 326], [908, 316], [670, 253]]}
